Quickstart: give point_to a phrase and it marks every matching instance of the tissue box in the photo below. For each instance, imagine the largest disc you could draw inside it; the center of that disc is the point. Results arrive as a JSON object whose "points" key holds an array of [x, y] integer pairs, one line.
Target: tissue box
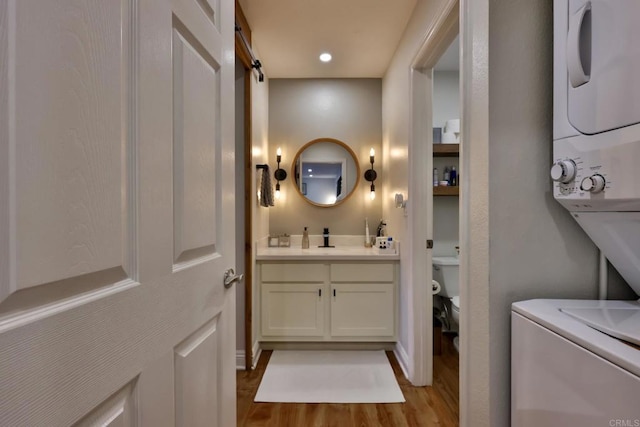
{"points": [[281, 240], [384, 243]]}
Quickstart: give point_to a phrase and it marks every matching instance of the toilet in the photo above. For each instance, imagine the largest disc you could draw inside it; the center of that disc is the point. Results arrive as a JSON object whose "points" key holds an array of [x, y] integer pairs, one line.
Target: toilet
{"points": [[445, 272]]}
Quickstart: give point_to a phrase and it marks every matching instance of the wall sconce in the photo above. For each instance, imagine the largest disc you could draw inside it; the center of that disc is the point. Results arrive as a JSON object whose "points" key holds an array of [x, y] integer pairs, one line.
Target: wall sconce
{"points": [[279, 174], [371, 175]]}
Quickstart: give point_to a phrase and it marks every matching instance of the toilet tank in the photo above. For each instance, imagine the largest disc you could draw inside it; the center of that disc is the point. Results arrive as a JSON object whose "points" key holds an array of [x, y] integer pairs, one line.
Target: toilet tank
{"points": [[445, 272]]}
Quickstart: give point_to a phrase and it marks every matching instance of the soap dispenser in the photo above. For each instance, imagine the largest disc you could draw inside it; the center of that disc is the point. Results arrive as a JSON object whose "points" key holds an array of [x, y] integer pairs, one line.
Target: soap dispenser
{"points": [[305, 239]]}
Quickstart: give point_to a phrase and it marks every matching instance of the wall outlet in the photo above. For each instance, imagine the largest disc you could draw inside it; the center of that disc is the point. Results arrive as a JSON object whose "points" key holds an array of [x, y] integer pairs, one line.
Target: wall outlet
{"points": [[384, 242]]}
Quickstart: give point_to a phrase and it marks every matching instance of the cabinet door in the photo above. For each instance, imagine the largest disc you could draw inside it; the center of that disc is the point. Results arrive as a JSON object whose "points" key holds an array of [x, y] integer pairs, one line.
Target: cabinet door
{"points": [[362, 310], [292, 310]]}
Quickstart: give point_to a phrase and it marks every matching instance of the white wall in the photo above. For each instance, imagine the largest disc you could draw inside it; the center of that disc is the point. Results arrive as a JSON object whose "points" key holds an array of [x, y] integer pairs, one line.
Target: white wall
{"points": [[301, 110], [446, 105], [518, 242], [395, 140], [445, 224], [259, 155], [446, 97]]}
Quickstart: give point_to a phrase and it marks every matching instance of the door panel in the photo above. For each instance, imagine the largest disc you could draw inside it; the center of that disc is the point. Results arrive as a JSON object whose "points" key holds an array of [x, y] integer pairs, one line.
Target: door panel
{"points": [[66, 118], [93, 307], [292, 309], [196, 378], [210, 7], [120, 410], [362, 309], [195, 124]]}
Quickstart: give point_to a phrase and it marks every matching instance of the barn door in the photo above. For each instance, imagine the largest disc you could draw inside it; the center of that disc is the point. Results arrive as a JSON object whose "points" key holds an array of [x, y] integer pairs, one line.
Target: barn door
{"points": [[116, 213]]}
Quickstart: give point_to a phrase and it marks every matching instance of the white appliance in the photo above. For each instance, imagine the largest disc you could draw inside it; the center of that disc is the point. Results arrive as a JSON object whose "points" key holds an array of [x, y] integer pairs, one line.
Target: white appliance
{"points": [[578, 362], [565, 373]]}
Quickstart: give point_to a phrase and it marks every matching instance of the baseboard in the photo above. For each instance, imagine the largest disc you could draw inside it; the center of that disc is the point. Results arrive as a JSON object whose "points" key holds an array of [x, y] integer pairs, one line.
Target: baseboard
{"points": [[403, 358], [240, 360], [387, 346], [257, 350]]}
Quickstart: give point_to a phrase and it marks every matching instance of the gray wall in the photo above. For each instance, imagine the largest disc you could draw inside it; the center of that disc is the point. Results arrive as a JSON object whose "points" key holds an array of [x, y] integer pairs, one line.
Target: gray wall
{"points": [[522, 244], [446, 97], [301, 110]]}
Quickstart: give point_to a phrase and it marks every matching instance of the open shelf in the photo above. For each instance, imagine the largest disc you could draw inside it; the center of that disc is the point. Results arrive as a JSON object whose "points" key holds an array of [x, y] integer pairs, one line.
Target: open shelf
{"points": [[446, 150], [446, 191]]}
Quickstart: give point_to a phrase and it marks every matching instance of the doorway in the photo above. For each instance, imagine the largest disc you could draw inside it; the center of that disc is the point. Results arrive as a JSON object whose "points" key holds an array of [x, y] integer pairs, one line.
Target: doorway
{"points": [[244, 176], [421, 224]]}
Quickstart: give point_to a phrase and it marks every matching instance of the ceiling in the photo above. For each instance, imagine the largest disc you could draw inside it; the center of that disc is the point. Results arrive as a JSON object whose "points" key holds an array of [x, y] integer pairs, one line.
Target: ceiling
{"points": [[361, 35]]}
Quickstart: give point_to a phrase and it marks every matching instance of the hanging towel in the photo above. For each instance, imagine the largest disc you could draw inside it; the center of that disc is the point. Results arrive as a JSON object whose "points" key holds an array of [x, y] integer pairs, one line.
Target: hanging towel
{"points": [[266, 190]]}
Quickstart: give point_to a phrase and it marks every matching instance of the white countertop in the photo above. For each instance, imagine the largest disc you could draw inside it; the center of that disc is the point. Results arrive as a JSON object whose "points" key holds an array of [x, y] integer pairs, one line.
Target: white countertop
{"points": [[314, 253]]}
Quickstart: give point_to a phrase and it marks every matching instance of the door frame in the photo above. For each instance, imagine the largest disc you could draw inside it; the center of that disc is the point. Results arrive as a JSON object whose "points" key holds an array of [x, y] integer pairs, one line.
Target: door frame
{"points": [[245, 58], [436, 42]]}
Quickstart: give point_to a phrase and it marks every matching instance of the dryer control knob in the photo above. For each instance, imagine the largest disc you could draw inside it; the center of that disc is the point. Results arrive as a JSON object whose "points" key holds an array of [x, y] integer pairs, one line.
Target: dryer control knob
{"points": [[563, 171], [593, 184]]}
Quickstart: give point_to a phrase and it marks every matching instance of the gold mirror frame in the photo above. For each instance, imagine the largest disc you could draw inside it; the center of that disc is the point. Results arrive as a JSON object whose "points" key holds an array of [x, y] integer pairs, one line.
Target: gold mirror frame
{"points": [[334, 141]]}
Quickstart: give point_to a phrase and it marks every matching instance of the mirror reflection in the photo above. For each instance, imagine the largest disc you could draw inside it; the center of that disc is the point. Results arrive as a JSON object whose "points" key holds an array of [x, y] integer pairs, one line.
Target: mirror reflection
{"points": [[326, 172]]}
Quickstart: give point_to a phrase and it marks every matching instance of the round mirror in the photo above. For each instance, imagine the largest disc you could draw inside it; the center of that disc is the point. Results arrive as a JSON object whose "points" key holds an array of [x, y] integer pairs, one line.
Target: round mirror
{"points": [[326, 172]]}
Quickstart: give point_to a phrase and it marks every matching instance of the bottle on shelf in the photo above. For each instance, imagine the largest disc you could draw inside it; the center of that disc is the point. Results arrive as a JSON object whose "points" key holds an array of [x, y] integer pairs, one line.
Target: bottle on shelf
{"points": [[305, 239], [446, 175], [453, 176], [435, 177]]}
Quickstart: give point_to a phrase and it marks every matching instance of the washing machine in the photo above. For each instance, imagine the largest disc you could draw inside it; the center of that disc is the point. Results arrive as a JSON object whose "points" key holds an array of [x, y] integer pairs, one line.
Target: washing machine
{"points": [[577, 362], [565, 372]]}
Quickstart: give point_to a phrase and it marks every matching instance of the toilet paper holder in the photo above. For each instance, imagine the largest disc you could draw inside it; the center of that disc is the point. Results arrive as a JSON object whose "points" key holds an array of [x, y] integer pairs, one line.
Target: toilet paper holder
{"points": [[435, 287]]}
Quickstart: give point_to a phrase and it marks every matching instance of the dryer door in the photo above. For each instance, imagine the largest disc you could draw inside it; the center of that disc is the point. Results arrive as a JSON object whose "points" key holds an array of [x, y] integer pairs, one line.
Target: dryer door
{"points": [[603, 64]]}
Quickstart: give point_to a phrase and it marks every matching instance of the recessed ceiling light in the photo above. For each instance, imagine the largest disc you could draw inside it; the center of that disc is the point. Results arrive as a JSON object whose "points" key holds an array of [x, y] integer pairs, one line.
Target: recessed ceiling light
{"points": [[310, 170], [325, 57], [310, 176]]}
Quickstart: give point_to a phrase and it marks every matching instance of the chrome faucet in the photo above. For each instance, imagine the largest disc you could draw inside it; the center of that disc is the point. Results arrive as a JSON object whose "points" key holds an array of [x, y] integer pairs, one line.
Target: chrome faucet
{"points": [[382, 231]]}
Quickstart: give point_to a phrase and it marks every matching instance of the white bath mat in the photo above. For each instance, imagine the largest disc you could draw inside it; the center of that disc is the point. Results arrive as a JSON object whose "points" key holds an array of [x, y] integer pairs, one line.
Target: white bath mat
{"points": [[338, 376]]}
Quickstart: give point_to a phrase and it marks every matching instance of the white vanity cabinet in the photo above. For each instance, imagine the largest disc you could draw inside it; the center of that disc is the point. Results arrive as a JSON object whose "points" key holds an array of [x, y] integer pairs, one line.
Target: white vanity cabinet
{"points": [[293, 300], [363, 300], [328, 301]]}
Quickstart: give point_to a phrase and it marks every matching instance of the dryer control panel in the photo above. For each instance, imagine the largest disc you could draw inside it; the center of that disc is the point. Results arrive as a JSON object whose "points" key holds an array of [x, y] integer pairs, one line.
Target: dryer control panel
{"points": [[592, 175]]}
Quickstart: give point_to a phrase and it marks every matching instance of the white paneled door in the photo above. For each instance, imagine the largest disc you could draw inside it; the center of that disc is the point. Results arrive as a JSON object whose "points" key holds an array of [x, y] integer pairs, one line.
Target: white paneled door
{"points": [[116, 213]]}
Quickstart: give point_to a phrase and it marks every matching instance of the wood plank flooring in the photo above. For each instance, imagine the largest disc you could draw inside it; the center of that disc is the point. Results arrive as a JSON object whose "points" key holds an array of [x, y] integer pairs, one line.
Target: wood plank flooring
{"points": [[424, 406]]}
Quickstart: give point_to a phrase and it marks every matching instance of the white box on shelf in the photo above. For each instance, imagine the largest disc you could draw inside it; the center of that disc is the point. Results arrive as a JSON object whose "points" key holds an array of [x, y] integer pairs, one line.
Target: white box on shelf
{"points": [[385, 243]]}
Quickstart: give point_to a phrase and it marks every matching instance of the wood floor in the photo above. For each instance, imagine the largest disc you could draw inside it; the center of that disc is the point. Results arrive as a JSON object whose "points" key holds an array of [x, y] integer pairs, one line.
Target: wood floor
{"points": [[424, 406]]}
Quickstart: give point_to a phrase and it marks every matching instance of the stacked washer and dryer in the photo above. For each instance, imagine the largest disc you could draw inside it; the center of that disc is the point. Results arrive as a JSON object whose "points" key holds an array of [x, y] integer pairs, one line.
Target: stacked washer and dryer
{"points": [[577, 362]]}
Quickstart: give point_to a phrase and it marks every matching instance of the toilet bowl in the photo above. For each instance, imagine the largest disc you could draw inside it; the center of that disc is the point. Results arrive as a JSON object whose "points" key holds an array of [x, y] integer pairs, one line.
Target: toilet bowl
{"points": [[455, 309], [455, 314], [445, 272]]}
